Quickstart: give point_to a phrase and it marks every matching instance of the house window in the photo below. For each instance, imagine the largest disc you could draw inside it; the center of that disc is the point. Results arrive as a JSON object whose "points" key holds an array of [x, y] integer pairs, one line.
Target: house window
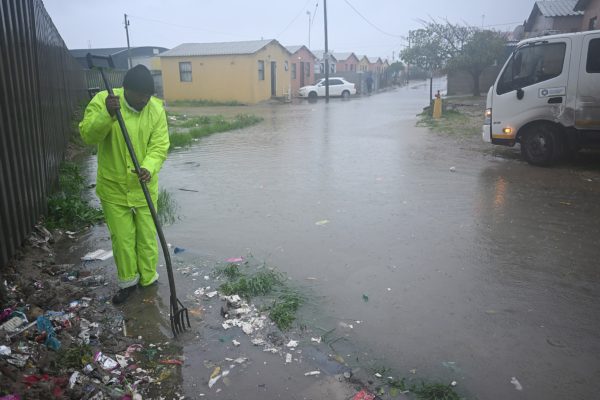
{"points": [[286, 65], [294, 71], [307, 69], [185, 71], [593, 57], [261, 70], [593, 23]]}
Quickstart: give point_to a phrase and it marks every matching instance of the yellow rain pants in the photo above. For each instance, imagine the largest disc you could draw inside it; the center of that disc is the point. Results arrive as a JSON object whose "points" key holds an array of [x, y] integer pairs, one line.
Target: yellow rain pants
{"points": [[127, 215]]}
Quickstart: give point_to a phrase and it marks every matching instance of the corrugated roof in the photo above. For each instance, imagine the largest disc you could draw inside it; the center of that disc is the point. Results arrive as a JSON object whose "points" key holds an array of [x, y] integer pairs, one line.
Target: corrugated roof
{"points": [[293, 49], [217, 49], [343, 56], [558, 8], [319, 54], [111, 51], [581, 5]]}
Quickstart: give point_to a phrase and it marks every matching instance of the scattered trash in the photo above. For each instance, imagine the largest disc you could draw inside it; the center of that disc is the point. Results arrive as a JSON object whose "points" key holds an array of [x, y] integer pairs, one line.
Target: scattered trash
{"points": [[13, 324], [453, 383], [312, 373], [73, 379], [378, 375], [517, 384], [101, 255], [18, 360], [452, 169], [292, 344], [235, 343], [365, 298], [288, 358], [105, 362], [322, 222], [565, 203], [316, 340], [214, 377], [44, 325], [94, 280], [5, 350], [234, 260], [363, 395], [210, 295], [178, 250]]}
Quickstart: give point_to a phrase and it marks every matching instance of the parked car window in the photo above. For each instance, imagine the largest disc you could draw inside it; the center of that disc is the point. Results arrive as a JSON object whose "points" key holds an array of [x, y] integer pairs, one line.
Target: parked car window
{"points": [[261, 70], [593, 57], [185, 71], [293, 70], [333, 82], [532, 64]]}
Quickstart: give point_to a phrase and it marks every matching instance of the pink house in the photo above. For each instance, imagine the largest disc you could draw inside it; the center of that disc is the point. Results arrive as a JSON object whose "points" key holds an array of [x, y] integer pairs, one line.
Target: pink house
{"points": [[346, 62], [301, 67]]}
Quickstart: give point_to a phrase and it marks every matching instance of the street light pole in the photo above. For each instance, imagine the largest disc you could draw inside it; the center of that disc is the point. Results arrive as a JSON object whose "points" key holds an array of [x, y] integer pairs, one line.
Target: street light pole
{"points": [[326, 54], [128, 48], [308, 13]]}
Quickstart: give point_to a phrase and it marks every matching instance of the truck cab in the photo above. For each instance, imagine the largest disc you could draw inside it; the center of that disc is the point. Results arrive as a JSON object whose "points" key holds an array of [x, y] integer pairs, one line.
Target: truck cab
{"points": [[547, 97]]}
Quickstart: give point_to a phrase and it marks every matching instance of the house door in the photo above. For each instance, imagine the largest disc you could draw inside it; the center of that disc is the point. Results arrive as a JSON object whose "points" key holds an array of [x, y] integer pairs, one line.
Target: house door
{"points": [[273, 78], [302, 74]]}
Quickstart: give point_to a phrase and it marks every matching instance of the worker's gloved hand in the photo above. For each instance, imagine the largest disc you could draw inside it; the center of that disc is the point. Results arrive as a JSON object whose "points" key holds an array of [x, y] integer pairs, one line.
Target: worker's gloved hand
{"points": [[112, 104], [145, 175]]}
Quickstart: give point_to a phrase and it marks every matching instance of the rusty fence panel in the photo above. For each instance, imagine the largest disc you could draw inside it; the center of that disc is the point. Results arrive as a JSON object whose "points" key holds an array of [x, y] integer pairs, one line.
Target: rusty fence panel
{"points": [[41, 85]]}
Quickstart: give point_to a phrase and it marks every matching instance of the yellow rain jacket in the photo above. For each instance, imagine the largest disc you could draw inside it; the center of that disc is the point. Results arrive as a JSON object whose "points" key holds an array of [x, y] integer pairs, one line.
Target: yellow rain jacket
{"points": [[149, 135]]}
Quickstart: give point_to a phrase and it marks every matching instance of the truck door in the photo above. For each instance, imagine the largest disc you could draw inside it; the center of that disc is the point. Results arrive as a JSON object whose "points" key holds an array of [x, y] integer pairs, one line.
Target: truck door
{"points": [[532, 86], [587, 113]]}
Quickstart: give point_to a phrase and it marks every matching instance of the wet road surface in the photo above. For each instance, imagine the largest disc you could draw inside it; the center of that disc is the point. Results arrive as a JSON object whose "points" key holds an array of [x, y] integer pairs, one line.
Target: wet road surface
{"points": [[478, 275]]}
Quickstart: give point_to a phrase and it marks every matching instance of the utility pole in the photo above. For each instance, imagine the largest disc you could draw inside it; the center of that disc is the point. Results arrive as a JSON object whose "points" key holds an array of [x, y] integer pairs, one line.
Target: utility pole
{"points": [[308, 13], [128, 48], [326, 54], [408, 63]]}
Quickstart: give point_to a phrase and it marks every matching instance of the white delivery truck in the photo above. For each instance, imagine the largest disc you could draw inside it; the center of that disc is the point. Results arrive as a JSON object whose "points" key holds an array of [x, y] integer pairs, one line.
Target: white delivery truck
{"points": [[547, 97]]}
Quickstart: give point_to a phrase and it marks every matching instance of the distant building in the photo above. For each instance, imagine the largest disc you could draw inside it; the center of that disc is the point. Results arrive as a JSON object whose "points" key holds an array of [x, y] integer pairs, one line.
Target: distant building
{"points": [[320, 62], [591, 11], [145, 55], [302, 62], [346, 62], [552, 17], [247, 72]]}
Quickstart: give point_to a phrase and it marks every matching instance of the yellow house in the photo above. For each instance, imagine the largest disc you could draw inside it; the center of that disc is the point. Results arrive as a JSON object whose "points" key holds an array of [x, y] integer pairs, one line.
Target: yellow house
{"points": [[246, 72]]}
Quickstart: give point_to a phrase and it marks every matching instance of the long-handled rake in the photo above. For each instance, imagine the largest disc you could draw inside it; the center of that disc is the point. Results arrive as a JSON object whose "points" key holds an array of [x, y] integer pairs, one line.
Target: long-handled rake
{"points": [[178, 313]]}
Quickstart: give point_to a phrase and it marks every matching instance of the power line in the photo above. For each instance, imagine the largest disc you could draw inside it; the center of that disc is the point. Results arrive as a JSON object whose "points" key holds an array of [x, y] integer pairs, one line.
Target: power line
{"points": [[369, 22], [293, 20], [193, 28]]}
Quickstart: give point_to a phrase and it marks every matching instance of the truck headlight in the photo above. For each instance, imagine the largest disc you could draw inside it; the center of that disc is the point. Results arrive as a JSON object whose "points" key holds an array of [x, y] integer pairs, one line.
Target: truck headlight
{"points": [[488, 117]]}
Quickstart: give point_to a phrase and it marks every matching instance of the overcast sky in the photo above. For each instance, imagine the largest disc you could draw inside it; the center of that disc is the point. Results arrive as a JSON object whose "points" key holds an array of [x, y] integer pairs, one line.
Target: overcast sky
{"points": [[371, 27]]}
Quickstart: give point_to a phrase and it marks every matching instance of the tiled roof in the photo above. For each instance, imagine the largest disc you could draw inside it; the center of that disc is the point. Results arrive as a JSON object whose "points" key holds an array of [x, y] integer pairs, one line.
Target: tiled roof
{"points": [[217, 49], [558, 8]]}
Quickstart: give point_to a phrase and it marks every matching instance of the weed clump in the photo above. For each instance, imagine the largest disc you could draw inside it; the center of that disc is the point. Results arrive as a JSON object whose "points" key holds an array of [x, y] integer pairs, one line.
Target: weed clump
{"points": [[67, 207], [283, 310], [259, 284]]}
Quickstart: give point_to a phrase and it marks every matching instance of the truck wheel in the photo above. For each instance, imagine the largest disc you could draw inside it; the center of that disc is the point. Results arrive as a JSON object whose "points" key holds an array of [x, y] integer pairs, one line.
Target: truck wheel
{"points": [[541, 145]]}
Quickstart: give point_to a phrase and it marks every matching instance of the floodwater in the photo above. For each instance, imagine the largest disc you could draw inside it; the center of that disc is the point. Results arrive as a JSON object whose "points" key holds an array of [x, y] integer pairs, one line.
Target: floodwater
{"points": [[478, 275]]}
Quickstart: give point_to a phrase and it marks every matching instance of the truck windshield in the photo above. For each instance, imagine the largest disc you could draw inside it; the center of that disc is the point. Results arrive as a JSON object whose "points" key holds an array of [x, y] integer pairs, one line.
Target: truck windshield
{"points": [[532, 64]]}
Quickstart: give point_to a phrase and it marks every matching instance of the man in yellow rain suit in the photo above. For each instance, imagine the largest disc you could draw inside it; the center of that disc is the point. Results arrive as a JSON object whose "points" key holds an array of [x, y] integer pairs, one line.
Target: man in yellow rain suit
{"points": [[127, 215]]}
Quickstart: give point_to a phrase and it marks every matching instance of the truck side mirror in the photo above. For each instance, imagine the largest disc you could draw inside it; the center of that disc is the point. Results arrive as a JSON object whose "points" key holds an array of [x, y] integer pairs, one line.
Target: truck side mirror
{"points": [[520, 94]]}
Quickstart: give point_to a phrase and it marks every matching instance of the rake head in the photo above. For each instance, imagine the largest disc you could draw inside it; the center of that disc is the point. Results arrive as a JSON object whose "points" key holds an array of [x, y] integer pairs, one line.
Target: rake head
{"points": [[179, 316]]}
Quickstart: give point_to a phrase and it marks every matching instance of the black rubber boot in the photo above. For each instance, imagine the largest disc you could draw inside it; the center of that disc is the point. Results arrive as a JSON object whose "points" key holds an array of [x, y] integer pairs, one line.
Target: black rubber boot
{"points": [[122, 295]]}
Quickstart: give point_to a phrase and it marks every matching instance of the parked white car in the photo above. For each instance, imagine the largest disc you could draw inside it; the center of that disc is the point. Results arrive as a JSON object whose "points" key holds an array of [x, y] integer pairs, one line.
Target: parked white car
{"points": [[337, 87]]}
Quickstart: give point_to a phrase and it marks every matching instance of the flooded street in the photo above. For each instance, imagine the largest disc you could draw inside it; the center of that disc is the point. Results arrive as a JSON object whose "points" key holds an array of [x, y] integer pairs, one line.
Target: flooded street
{"points": [[478, 275]]}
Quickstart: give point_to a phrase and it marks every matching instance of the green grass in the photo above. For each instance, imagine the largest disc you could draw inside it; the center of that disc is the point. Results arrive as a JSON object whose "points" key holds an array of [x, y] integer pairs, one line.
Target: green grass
{"points": [[259, 284], [466, 123], [75, 357], [67, 207], [283, 311], [434, 391], [167, 208], [284, 302], [204, 103], [197, 127]]}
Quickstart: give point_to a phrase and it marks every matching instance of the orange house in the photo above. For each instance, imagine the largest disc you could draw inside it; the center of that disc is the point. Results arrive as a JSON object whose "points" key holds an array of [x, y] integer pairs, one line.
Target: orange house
{"points": [[301, 67]]}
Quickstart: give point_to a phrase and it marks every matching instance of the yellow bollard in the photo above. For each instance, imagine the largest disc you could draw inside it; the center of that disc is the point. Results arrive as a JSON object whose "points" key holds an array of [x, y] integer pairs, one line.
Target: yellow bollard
{"points": [[437, 106]]}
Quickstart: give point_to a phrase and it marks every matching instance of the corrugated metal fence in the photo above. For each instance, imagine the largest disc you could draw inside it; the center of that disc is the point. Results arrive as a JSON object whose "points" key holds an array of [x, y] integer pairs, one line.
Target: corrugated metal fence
{"points": [[40, 86]]}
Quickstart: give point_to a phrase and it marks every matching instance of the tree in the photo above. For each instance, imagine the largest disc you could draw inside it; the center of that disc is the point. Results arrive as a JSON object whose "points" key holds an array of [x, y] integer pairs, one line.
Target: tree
{"points": [[482, 49]]}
